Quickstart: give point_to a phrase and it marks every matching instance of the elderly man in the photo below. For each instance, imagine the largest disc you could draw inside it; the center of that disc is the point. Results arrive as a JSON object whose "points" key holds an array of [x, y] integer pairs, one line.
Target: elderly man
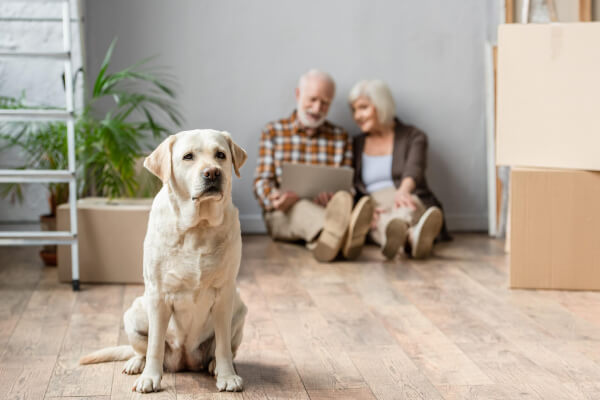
{"points": [[328, 223]]}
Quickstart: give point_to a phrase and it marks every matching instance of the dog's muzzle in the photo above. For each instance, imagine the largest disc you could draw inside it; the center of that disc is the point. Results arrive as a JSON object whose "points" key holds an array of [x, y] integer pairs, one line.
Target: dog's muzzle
{"points": [[211, 174], [210, 183]]}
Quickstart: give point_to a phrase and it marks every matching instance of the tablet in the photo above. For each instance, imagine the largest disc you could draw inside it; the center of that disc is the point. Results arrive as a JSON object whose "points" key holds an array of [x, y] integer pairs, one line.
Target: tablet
{"points": [[307, 180]]}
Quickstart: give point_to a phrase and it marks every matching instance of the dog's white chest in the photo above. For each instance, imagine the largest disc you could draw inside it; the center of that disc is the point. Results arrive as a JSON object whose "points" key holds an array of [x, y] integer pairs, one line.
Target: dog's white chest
{"points": [[190, 322], [181, 276], [191, 266]]}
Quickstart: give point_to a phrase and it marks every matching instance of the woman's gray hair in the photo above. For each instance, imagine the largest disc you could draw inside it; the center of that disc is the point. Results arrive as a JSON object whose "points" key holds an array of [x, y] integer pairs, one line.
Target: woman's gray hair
{"points": [[379, 95]]}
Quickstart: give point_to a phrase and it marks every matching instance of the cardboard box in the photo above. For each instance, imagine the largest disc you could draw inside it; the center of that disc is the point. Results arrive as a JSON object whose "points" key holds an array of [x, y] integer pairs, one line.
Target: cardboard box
{"points": [[555, 229], [548, 95], [111, 238]]}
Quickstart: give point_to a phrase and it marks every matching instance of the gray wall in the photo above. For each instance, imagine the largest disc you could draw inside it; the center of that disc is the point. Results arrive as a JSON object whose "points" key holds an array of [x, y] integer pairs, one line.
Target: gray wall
{"points": [[238, 62]]}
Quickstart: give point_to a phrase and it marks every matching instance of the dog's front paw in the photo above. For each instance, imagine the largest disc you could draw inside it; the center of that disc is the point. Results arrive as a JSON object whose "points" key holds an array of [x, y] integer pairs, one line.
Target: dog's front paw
{"points": [[147, 383], [135, 365], [230, 383]]}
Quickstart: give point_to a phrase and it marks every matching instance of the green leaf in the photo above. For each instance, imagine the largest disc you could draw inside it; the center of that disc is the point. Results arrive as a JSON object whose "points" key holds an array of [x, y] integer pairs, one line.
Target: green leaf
{"points": [[104, 66], [138, 110]]}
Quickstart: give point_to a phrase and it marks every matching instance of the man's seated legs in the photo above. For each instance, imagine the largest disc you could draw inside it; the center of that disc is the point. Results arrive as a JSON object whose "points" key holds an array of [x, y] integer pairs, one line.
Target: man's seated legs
{"points": [[335, 227], [330, 228], [360, 222], [303, 221]]}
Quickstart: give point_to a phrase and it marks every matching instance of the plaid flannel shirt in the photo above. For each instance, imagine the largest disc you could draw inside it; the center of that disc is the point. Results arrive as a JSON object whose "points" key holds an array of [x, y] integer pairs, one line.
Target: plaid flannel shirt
{"points": [[287, 141]]}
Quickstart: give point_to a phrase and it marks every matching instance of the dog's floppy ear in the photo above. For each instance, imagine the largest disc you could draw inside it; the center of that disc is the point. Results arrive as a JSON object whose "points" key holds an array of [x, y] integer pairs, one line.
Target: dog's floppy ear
{"points": [[237, 153], [159, 162]]}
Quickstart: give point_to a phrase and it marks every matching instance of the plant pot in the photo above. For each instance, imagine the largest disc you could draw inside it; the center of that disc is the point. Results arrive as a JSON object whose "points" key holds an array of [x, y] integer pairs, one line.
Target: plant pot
{"points": [[48, 252]]}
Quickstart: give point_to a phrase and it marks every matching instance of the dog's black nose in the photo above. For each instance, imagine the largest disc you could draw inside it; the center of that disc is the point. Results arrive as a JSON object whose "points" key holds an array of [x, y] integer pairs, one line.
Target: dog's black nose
{"points": [[211, 174]]}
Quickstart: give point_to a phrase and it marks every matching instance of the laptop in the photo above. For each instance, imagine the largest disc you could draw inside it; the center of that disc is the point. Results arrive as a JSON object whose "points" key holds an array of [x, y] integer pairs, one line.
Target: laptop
{"points": [[307, 180]]}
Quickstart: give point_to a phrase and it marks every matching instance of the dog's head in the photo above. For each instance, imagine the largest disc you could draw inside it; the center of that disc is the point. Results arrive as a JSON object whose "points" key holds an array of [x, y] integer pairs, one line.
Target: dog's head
{"points": [[197, 165]]}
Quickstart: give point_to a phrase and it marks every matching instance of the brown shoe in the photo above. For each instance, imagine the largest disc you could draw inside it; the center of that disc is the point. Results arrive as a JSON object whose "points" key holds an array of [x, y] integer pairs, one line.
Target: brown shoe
{"points": [[395, 236], [337, 219], [360, 223], [425, 232]]}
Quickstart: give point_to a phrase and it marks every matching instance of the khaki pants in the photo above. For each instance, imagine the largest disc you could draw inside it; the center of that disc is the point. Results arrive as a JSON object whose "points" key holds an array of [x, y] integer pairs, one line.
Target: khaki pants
{"points": [[303, 221], [384, 198]]}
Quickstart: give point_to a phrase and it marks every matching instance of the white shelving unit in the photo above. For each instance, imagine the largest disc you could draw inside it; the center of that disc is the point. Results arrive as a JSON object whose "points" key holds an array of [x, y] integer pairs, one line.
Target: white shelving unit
{"points": [[27, 176]]}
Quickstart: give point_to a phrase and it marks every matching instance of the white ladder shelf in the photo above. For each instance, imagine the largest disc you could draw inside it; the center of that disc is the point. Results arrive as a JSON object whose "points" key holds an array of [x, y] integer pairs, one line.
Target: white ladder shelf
{"points": [[26, 176]]}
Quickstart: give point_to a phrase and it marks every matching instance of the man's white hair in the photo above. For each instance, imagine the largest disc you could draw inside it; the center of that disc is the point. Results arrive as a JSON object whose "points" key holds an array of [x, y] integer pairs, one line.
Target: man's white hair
{"points": [[380, 95], [315, 73]]}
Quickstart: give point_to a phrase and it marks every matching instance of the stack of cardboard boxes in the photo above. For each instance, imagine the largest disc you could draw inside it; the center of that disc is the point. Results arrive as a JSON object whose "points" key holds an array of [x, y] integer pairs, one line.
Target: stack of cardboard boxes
{"points": [[548, 131], [111, 239]]}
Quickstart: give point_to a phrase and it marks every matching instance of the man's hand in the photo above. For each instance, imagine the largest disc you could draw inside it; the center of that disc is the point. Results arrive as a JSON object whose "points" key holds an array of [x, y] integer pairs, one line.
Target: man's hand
{"points": [[283, 201], [403, 198], [323, 198]]}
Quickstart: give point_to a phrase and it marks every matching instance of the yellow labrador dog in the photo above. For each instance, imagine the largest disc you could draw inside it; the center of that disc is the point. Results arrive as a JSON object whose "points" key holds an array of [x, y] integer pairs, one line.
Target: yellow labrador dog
{"points": [[191, 316]]}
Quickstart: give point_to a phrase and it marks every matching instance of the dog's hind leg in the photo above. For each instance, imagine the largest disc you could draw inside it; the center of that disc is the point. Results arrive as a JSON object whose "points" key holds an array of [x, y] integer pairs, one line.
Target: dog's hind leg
{"points": [[135, 365], [136, 326]]}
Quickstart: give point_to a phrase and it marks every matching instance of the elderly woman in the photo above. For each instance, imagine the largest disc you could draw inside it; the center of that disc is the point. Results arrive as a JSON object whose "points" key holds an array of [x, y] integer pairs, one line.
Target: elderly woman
{"points": [[389, 161]]}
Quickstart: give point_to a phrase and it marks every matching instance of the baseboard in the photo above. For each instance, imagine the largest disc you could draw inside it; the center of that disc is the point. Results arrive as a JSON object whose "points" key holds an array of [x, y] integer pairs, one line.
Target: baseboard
{"points": [[467, 222], [253, 223]]}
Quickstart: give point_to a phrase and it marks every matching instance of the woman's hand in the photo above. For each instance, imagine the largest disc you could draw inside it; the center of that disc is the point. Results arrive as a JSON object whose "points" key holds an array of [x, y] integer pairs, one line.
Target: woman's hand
{"points": [[403, 198]]}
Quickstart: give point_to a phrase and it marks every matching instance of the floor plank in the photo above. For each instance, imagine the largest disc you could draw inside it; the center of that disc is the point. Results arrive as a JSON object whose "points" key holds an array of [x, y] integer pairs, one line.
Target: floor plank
{"points": [[263, 359], [327, 366], [391, 374], [18, 280], [31, 352], [440, 359], [94, 325], [444, 328]]}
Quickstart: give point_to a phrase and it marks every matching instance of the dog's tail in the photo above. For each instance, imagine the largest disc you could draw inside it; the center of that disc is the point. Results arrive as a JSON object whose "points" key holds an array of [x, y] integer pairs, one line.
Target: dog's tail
{"points": [[117, 353]]}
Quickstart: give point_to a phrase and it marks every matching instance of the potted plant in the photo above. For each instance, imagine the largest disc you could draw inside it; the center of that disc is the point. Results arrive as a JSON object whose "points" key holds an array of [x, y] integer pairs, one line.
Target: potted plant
{"points": [[109, 144]]}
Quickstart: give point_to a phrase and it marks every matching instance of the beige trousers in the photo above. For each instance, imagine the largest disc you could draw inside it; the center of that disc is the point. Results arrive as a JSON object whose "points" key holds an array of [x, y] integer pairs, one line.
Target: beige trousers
{"points": [[384, 198], [303, 221]]}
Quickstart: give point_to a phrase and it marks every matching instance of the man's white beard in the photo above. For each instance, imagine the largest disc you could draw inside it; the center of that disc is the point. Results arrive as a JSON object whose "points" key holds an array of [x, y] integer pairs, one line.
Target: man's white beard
{"points": [[307, 122]]}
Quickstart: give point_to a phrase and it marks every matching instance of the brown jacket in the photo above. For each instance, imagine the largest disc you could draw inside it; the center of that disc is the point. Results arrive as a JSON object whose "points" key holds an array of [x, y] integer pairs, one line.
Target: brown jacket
{"points": [[409, 158]]}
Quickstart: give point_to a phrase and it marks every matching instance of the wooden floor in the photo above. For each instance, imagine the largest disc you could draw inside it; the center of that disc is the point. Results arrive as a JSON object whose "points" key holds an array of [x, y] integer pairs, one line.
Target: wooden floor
{"points": [[444, 328]]}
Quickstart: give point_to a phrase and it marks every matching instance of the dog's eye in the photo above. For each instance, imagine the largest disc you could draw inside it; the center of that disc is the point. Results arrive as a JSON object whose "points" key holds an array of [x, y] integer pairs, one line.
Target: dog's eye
{"points": [[188, 156], [221, 155]]}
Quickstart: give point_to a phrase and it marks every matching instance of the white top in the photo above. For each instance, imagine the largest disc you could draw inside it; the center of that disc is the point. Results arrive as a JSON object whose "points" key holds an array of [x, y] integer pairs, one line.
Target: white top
{"points": [[377, 172]]}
